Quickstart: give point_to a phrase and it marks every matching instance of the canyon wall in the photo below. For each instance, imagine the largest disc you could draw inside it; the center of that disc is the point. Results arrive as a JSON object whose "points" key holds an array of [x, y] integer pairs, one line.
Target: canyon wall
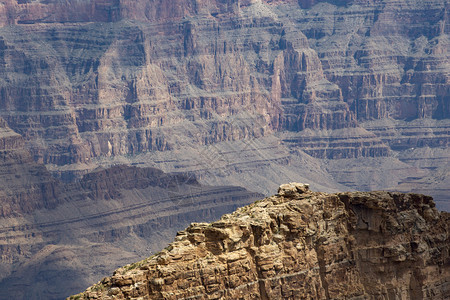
{"points": [[78, 89], [84, 81], [300, 244], [343, 94]]}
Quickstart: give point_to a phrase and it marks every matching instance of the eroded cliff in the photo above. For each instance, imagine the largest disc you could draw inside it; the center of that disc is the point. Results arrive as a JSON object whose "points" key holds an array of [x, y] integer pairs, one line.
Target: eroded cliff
{"points": [[94, 83], [342, 94], [300, 244]]}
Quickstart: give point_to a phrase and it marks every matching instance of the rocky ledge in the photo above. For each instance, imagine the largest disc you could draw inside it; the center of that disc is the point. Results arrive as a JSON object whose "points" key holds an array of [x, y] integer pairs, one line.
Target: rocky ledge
{"points": [[300, 244]]}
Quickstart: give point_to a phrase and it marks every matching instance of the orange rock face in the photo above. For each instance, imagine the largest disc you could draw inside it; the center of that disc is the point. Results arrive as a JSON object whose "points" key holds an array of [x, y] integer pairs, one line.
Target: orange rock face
{"points": [[300, 245]]}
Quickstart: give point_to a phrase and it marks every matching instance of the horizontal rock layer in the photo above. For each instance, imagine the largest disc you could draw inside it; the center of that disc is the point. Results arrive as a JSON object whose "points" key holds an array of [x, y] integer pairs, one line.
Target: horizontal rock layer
{"points": [[201, 86], [233, 70], [300, 244], [87, 82]]}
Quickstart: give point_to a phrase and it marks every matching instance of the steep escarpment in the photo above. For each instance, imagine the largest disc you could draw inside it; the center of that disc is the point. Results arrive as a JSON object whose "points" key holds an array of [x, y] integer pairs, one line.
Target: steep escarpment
{"points": [[300, 244], [387, 57], [215, 75], [25, 185], [95, 83]]}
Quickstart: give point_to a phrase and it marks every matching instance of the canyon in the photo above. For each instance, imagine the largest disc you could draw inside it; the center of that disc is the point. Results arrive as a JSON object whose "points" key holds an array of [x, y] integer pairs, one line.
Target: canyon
{"points": [[300, 244], [121, 122], [96, 83]]}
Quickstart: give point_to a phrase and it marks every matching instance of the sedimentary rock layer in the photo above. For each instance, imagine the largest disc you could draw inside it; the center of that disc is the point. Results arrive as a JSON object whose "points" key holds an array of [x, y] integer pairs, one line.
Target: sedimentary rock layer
{"points": [[242, 92], [300, 244], [78, 90], [86, 82]]}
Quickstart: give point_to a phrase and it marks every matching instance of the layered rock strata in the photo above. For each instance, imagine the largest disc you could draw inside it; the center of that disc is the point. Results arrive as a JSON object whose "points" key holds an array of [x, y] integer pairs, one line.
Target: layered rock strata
{"points": [[231, 71], [25, 185], [300, 244], [87, 83], [388, 62]]}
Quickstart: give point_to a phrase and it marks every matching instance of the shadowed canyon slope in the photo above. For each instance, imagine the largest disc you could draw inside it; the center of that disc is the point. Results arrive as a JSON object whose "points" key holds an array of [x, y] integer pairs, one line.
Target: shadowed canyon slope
{"points": [[57, 238], [298, 88], [300, 245]]}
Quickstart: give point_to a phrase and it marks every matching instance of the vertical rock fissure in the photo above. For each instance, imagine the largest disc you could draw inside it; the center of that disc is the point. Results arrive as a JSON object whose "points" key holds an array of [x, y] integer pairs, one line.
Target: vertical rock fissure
{"points": [[262, 289], [261, 284], [321, 262]]}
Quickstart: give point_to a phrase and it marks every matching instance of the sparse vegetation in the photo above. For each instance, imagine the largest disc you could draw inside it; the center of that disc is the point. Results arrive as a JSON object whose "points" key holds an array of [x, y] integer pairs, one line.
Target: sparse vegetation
{"points": [[139, 264], [169, 248], [99, 287]]}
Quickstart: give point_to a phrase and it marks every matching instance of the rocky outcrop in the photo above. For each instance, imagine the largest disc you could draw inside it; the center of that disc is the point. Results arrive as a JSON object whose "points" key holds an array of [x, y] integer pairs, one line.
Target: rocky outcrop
{"points": [[300, 244]]}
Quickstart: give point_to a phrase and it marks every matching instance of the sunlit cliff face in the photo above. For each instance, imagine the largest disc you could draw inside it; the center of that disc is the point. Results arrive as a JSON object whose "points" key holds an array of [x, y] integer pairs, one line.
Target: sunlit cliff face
{"points": [[299, 244]]}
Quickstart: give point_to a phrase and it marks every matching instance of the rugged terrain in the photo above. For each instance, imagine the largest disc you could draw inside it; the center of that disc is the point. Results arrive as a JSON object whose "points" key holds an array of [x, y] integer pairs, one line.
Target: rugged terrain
{"points": [[300, 245], [254, 86], [347, 95]]}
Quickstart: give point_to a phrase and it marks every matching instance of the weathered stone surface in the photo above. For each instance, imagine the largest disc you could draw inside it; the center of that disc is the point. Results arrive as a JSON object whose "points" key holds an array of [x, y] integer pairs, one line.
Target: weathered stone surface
{"points": [[306, 245], [342, 94], [134, 89], [291, 189]]}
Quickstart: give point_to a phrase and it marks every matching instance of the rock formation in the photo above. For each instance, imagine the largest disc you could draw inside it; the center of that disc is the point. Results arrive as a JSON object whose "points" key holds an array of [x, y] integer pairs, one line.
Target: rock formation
{"points": [[347, 95], [25, 185], [300, 244], [90, 81]]}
